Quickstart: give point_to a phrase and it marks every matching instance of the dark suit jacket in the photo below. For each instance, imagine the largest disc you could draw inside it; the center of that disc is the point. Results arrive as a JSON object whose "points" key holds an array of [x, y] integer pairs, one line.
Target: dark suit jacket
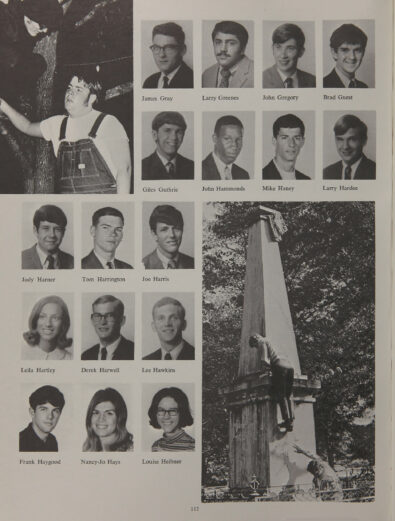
{"points": [[366, 170], [154, 169], [124, 351], [186, 353], [210, 170], [270, 172], [272, 80], [31, 260], [332, 80], [182, 80], [91, 262], [153, 262]]}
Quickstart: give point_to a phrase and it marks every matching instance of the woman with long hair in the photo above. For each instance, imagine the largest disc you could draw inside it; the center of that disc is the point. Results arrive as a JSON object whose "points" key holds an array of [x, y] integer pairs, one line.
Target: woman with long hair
{"points": [[170, 411], [106, 423], [46, 338]]}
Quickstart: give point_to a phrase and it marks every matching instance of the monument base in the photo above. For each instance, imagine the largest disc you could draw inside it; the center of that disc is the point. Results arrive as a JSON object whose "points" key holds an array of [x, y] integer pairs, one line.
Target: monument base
{"points": [[260, 456]]}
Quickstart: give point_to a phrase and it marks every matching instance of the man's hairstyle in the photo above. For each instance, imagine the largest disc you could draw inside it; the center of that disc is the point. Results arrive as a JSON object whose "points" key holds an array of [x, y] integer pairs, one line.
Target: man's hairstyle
{"points": [[227, 120], [46, 394], [285, 32], [169, 118], [185, 416], [91, 81], [169, 300], [232, 28], [47, 13], [288, 121], [170, 29], [348, 33], [50, 213], [348, 121], [32, 336], [165, 213], [120, 308], [124, 439], [108, 210]]}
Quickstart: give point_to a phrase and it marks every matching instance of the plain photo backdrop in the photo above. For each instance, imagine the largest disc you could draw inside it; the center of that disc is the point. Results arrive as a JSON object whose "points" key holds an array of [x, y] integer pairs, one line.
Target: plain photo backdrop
{"points": [[148, 65], [150, 340], [366, 71], [246, 157]]}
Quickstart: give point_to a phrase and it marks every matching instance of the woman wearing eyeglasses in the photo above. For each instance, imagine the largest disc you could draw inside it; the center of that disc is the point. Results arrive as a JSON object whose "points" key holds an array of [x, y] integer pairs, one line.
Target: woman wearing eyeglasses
{"points": [[170, 411]]}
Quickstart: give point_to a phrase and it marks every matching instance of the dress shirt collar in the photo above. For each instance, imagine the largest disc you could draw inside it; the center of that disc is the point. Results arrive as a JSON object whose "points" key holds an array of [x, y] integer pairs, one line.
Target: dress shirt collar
{"points": [[287, 176], [221, 166], [165, 260], [232, 71], [42, 255], [165, 160], [294, 77], [103, 262], [170, 76], [354, 167], [110, 348], [346, 81], [174, 352]]}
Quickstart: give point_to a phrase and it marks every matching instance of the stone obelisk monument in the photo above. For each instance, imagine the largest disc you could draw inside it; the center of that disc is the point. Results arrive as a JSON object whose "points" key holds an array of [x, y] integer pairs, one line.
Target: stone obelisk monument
{"points": [[257, 448]]}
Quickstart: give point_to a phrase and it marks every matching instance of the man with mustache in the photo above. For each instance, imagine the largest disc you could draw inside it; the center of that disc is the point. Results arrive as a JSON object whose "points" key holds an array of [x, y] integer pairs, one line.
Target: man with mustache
{"points": [[108, 317], [168, 129], [107, 232], [167, 227], [348, 44], [288, 140], [233, 69], [228, 142], [288, 47], [168, 321], [49, 226], [351, 136], [46, 405], [91, 147]]}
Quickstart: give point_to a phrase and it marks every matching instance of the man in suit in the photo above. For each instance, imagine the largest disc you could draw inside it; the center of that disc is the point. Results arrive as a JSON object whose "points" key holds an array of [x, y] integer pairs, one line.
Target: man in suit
{"points": [[288, 140], [49, 226], [168, 321], [233, 68], [107, 233], [168, 49], [46, 405], [351, 135], [348, 44], [168, 130], [108, 317], [167, 226], [228, 142], [288, 46]]}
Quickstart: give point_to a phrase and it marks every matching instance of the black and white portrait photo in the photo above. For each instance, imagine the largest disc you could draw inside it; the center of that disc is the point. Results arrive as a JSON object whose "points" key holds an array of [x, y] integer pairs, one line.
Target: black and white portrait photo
{"points": [[66, 96]]}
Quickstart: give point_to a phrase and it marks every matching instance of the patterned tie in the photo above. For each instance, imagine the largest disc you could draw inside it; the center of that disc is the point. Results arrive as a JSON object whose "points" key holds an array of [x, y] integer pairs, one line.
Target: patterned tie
{"points": [[288, 83], [226, 74], [165, 82], [347, 172], [228, 172], [109, 265], [104, 353], [171, 265], [170, 169], [168, 356], [352, 84], [50, 262]]}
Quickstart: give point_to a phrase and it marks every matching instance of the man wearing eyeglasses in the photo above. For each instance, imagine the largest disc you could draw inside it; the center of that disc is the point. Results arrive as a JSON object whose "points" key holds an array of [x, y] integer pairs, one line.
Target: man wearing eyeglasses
{"points": [[168, 49], [108, 317], [107, 233]]}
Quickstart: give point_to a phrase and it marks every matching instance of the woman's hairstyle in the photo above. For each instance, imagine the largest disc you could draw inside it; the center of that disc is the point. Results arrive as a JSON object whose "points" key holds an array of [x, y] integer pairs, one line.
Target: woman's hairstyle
{"points": [[183, 406], [32, 336], [124, 439]]}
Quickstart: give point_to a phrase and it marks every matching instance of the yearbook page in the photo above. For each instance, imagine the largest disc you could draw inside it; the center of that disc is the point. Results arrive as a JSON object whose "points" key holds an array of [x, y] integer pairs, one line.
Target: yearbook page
{"points": [[196, 208]]}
